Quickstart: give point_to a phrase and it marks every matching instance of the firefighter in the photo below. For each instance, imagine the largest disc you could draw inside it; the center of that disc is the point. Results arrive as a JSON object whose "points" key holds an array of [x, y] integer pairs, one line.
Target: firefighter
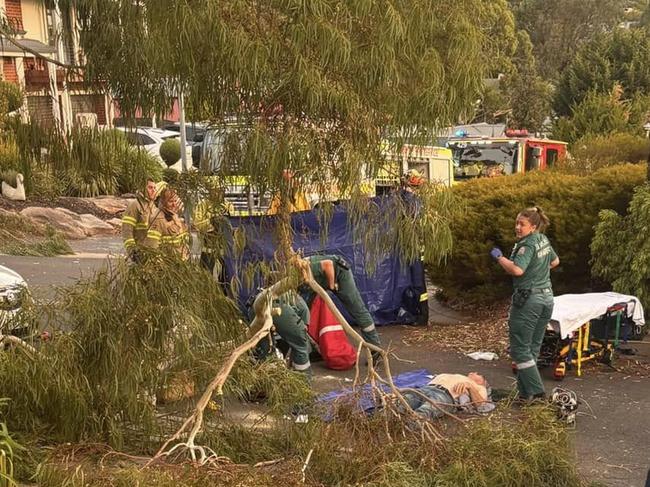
{"points": [[415, 297], [135, 222], [411, 182], [530, 263], [209, 217], [291, 324], [333, 273], [297, 200], [166, 230]]}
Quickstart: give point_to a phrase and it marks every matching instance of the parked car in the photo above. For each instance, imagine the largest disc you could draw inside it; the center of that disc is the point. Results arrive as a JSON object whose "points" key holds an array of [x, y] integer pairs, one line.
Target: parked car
{"points": [[150, 139], [194, 135], [13, 291]]}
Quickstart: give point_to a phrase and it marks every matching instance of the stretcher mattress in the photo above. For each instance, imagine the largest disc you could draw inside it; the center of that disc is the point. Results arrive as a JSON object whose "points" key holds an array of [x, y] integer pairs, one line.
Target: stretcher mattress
{"points": [[571, 311]]}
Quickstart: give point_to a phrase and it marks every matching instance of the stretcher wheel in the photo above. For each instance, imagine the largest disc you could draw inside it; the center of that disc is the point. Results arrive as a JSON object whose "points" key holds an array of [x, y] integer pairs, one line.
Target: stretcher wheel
{"points": [[560, 370], [608, 356]]}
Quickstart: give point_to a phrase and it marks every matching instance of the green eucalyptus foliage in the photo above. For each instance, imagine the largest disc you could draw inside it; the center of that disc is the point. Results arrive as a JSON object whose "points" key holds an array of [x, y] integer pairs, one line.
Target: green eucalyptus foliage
{"points": [[316, 88], [620, 248], [572, 203], [118, 340], [376, 451]]}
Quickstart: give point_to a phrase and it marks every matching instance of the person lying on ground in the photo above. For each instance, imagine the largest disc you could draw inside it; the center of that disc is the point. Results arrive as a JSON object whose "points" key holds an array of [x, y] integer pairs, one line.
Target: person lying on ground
{"points": [[470, 393]]}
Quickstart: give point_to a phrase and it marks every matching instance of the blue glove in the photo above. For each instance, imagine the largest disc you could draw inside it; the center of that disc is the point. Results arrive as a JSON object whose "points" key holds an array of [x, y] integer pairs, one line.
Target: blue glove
{"points": [[495, 253]]}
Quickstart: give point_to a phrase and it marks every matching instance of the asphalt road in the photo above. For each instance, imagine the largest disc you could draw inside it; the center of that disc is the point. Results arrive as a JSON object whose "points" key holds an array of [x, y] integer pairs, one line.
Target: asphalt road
{"points": [[613, 430]]}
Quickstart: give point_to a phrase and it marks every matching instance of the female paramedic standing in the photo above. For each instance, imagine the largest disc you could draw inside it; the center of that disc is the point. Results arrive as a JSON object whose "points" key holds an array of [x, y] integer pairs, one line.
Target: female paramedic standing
{"points": [[530, 263]]}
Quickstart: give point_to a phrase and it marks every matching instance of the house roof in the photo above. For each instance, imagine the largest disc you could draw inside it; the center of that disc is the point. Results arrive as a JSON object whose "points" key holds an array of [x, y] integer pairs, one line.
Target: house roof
{"points": [[7, 47]]}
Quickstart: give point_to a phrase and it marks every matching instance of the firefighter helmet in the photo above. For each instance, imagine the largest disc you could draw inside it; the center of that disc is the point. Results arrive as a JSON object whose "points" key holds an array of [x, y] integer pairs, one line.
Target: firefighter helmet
{"points": [[413, 178]]}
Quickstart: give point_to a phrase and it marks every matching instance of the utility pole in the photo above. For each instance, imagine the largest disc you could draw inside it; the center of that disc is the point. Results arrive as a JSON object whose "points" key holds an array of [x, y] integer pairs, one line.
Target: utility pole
{"points": [[181, 123]]}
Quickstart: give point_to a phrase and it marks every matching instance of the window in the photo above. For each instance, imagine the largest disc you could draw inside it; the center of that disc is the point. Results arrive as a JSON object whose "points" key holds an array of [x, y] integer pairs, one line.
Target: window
{"points": [[533, 157], [143, 139], [551, 157]]}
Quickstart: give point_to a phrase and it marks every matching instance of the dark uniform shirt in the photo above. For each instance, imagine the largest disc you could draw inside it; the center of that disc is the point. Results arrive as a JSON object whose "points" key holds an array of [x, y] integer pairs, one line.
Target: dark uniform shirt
{"points": [[533, 254]]}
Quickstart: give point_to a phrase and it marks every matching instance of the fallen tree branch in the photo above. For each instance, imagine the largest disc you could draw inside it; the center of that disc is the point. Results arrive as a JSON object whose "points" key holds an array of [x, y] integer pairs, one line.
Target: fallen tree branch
{"points": [[260, 326], [17, 341]]}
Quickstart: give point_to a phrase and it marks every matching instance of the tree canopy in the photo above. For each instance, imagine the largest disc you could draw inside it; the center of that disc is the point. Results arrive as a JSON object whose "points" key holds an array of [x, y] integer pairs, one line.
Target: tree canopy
{"points": [[619, 57], [315, 87], [558, 27]]}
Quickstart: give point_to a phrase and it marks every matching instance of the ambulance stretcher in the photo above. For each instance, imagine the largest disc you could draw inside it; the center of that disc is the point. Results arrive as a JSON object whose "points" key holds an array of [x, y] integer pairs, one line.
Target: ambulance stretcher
{"points": [[589, 326]]}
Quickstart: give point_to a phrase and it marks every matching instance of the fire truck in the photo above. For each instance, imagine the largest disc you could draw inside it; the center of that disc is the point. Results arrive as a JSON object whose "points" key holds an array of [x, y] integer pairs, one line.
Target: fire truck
{"points": [[516, 152], [433, 163]]}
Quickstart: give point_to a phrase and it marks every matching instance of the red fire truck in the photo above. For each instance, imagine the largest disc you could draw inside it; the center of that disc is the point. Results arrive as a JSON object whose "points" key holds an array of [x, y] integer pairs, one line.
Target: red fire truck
{"points": [[516, 152]]}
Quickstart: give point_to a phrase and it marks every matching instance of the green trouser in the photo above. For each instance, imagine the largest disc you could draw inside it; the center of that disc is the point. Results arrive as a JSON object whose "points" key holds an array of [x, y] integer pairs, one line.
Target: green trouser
{"points": [[348, 294], [291, 325], [527, 323]]}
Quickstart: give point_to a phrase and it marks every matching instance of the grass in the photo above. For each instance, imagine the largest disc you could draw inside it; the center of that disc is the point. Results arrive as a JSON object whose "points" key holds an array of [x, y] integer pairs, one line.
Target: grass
{"points": [[21, 236], [529, 448]]}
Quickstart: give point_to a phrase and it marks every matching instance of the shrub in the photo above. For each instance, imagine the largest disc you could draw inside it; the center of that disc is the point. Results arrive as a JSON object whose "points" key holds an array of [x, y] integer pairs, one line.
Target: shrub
{"points": [[621, 248], [137, 166], [9, 156], [170, 151], [11, 97], [572, 203], [593, 152], [170, 176]]}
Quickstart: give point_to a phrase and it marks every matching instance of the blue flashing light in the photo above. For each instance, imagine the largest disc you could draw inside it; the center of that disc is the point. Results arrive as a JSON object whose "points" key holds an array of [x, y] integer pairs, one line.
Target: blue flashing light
{"points": [[461, 133]]}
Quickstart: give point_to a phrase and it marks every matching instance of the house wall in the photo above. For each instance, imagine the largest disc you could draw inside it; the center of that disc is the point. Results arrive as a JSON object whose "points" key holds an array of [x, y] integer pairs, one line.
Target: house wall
{"points": [[33, 13], [14, 12]]}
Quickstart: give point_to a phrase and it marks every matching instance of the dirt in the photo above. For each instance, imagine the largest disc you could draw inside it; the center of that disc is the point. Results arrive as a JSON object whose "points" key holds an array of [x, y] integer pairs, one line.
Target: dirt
{"points": [[77, 205]]}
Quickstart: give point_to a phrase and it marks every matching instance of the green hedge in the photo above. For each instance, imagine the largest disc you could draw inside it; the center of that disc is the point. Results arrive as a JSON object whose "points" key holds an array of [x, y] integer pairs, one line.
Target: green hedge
{"points": [[572, 203], [621, 247]]}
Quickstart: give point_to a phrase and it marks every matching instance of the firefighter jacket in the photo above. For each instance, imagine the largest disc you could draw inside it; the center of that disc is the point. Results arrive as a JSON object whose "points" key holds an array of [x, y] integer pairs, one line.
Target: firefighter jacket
{"points": [[297, 202], [168, 233], [135, 221], [208, 220]]}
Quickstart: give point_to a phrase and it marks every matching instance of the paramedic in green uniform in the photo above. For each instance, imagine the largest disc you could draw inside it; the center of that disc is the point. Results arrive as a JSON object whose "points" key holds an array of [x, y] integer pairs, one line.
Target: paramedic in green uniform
{"points": [[291, 324], [333, 273], [530, 263]]}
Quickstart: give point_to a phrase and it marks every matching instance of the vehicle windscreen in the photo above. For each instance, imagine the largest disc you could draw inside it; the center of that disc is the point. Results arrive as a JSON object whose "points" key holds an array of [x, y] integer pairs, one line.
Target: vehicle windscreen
{"points": [[483, 160]]}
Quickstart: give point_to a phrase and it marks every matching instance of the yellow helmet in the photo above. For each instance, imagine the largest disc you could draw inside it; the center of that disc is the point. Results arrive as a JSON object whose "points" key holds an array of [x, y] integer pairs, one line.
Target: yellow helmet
{"points": [[160, 187], [413, 178]]}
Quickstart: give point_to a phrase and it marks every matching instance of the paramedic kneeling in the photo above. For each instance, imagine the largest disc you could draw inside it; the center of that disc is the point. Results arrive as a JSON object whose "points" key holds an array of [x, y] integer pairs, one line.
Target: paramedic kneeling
{"points": [[530, 263], [333, 273]]}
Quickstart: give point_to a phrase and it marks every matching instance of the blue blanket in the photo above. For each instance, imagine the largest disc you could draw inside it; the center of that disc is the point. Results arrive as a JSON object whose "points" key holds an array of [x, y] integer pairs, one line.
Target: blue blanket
{"points": [[412, 379]]}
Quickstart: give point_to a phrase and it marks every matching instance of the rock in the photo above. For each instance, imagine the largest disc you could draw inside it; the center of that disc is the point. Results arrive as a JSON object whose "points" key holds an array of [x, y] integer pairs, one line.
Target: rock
{"points": [[111, 204], [17, 193], [115, 222], [66, 221], [94, 226]]}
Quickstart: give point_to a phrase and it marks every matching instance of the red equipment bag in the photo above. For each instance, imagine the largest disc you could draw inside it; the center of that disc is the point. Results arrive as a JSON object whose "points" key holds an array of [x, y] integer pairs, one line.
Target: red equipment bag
{"points": [[332, 341]]}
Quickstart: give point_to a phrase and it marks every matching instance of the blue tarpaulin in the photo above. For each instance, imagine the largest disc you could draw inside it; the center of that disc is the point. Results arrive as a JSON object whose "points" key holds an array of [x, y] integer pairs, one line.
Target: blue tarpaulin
{"points": [[365, 398], [383, 291]]}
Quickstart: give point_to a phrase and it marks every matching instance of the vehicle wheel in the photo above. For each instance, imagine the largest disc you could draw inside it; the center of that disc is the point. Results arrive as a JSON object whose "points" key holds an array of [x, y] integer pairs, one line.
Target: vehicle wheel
{"points": [[608, 356]]}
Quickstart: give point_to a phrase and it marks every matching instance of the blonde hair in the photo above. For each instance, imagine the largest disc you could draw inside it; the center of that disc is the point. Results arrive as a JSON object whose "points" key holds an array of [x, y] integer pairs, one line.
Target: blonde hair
{"points": [[536, 216]]}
